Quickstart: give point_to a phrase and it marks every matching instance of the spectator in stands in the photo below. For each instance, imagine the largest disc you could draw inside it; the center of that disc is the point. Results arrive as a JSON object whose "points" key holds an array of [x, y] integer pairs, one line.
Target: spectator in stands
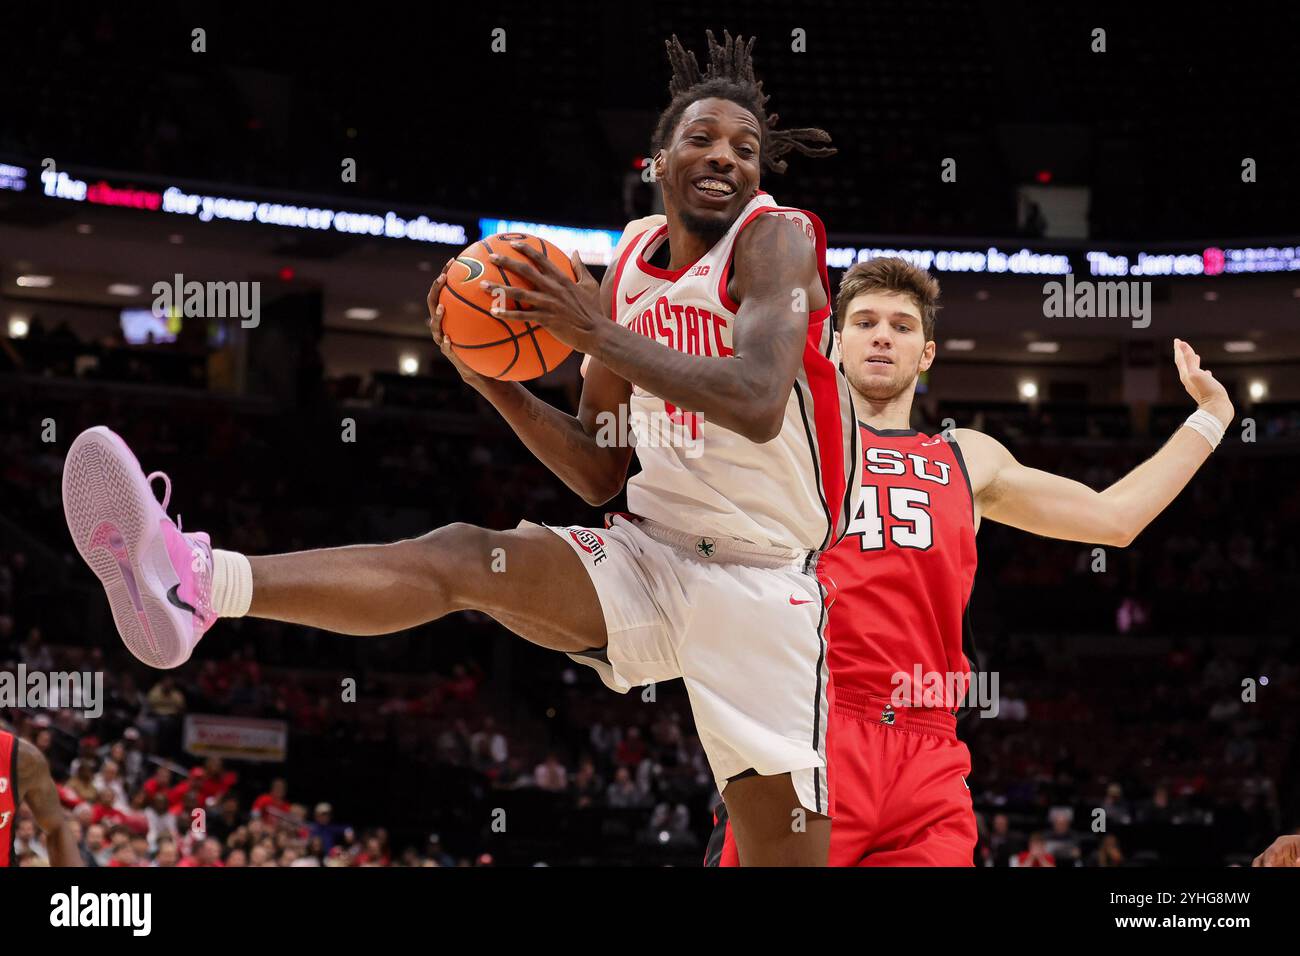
{"points": [[550, 775], [85, 749], [161, 821], [623, 792], [324, 829], [217, 780], [313, 853], [631, 750], [160, 782], [1062, 845], [453, 743], [604, 738], [209, 853], [587, 785], [1036, 855], [82, 782], [167, 854], [129, 761], [110, 777], [482, 759], [1108, 853], [494, 739], [1004, 843], [375, 853], [26, 840], [124, 855], [463, 686], [273, 801], [34, 654], [1117, 809], [226, 817], [95, 844], [165, 698], [436, 853], [1159, 809], [193, 783]]}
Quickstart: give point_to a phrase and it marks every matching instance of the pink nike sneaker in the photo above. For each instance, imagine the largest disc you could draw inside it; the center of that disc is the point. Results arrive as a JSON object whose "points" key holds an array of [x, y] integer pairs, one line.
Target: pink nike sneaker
{"points": [[159, 581]]}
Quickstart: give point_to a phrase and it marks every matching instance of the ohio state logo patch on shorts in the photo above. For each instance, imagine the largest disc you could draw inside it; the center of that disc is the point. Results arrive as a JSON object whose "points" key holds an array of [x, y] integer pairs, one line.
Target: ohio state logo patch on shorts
{"points": [[590, 542]]}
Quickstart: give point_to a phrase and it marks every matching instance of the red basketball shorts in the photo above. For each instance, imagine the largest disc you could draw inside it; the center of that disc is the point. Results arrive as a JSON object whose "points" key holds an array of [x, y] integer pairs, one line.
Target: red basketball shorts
{"points": [[898, 789]]}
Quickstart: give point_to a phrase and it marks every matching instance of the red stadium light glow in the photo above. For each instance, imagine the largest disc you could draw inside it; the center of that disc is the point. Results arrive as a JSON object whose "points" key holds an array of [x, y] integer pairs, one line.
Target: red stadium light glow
{"points": [[1044, 176], [1214, 260], [286, 274]]}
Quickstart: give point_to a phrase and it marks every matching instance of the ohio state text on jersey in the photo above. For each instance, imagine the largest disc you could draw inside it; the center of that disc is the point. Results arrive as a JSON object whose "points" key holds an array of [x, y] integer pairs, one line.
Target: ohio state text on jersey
{"points": [[794, 491]]}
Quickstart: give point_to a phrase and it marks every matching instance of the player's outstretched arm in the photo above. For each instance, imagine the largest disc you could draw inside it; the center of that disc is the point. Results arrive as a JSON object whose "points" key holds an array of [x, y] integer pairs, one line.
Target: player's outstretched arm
{"points": [[39, 793], [1056, 507], [745, 392], [566, 444]]}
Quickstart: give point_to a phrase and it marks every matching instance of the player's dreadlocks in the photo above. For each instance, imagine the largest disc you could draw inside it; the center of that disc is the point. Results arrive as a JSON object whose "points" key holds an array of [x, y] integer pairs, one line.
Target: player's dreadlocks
{"points": [[730, 76]]}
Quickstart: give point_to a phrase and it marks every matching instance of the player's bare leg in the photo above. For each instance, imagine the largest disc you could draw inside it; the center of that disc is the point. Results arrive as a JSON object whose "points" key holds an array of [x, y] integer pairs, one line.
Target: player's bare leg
{"points": [[771, 827], [527, 578], [167, 588]]}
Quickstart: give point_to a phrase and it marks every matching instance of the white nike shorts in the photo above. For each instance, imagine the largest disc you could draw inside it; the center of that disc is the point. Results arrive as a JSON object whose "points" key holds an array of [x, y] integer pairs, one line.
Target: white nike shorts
{"points": [[742, 625]]}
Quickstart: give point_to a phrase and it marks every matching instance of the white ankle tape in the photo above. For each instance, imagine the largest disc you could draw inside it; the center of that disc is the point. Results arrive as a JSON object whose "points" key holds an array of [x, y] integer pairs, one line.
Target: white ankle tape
{"points": [[1209, 427], [232, 583]]}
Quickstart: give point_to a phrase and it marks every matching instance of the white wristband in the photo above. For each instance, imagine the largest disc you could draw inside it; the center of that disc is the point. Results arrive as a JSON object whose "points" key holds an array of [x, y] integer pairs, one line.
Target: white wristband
{"points": [[1209, 427]]}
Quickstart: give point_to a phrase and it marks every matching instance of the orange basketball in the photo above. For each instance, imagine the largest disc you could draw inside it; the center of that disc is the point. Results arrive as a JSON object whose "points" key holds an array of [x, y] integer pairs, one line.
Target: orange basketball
{"points": [[498, 348]]}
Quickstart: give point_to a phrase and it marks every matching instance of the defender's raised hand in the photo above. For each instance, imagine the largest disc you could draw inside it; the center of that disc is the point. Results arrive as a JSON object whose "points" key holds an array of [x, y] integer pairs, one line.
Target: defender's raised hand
{"points": [[1206, 390]]}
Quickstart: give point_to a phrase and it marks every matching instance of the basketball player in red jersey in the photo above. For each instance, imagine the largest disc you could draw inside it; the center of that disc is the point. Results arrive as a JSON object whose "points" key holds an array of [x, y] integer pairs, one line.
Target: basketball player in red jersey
{"points": [[900, 579], [722, 335], [25, 778]]}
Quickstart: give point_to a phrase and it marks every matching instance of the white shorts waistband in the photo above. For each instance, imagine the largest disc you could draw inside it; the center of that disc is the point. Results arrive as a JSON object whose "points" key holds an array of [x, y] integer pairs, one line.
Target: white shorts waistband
{"points": [[716, 549]]}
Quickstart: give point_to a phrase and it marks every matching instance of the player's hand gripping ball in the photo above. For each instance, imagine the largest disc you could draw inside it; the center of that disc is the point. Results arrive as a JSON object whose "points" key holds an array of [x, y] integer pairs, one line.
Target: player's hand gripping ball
{"points": [[495, 347]]}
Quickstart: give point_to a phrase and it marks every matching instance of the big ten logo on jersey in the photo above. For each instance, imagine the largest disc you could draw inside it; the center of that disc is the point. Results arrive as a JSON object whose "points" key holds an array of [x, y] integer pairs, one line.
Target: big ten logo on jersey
{"points": [[910, 524], [686, 328]]}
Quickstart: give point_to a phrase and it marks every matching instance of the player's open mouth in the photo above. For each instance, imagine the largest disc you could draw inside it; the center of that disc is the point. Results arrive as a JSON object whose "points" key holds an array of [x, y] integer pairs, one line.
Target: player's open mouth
{"points": [[879, 360], [714, 188]]}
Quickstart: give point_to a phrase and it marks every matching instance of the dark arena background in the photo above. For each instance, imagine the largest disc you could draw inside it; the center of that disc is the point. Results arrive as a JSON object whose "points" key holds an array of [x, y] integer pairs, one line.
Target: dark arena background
{"points": [[1001, 146]]}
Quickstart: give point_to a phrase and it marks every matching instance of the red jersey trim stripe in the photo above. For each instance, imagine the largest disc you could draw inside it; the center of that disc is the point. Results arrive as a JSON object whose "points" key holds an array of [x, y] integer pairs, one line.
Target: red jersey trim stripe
{"points": [[827, 411], [670, 274], [618, 273]]}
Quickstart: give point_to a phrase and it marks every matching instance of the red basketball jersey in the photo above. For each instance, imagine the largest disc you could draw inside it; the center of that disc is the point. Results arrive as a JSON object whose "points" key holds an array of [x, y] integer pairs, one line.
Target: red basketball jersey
{"points": [[901, 578], [8, 796]]}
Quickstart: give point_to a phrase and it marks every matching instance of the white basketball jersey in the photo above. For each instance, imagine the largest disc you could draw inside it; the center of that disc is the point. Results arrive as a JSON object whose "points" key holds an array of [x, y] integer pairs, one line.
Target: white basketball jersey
{"points": [[793, 492]]}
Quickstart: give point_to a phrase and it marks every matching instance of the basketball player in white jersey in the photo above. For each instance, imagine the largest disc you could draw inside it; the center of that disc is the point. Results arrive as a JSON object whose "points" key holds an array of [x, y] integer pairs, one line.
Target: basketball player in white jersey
{"points": [[716, 327]]}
